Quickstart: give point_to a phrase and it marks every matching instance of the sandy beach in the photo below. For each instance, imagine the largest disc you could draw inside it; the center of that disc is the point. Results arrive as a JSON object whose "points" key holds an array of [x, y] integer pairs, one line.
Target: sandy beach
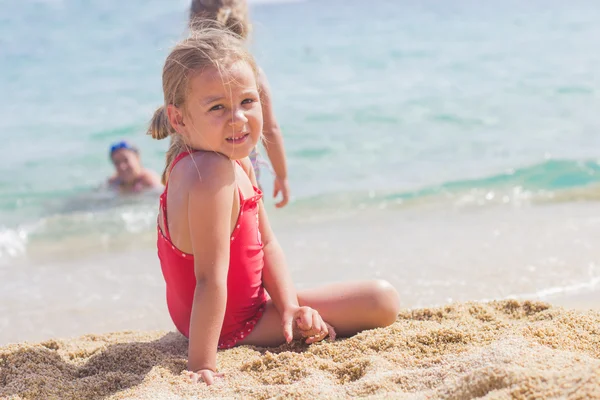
{"points": [[497, 350]]}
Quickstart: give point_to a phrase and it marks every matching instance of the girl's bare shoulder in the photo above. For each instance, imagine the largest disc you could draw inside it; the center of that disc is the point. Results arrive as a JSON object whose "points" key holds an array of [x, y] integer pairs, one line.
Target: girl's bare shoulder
{"points": [[204, 171]]}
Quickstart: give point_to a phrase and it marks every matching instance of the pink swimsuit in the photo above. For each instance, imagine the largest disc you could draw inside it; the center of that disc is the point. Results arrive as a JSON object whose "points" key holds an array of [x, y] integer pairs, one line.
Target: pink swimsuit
{"points": [[246, 295]]}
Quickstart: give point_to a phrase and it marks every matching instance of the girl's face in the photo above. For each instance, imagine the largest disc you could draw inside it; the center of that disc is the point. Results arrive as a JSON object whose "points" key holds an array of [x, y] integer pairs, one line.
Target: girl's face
{"points": [[223, 111], [127, 163]]}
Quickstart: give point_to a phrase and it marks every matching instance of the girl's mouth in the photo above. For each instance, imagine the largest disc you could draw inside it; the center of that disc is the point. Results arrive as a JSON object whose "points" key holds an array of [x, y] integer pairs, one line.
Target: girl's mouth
{"points": [[238, 139]]}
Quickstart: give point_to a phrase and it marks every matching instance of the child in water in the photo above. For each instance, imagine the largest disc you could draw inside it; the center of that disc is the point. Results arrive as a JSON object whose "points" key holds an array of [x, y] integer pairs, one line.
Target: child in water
{"points": [[130, 175], [226, 277], [233, 14]]}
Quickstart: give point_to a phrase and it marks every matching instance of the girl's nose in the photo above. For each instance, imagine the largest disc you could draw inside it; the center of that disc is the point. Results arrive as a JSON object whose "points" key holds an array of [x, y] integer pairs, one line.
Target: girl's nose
{"points": [[238, 117]]}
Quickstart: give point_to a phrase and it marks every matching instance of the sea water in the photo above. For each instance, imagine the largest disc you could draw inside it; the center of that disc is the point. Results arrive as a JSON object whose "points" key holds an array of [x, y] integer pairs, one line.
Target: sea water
{"points": [[450, 148]]}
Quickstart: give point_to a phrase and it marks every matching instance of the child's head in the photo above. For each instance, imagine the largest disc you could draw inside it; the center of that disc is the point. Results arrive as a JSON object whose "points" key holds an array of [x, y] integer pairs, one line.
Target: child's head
{"points": [[126, 159], [232, 14], [211, 99]]}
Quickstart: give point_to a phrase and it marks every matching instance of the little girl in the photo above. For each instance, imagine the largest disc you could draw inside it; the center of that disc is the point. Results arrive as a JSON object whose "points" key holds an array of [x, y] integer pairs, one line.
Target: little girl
{"points": [[226, 276]]}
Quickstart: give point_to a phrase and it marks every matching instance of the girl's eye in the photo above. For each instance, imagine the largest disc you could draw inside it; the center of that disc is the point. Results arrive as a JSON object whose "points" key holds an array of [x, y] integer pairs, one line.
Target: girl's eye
{"points": [[247, 101], [216, 108]]}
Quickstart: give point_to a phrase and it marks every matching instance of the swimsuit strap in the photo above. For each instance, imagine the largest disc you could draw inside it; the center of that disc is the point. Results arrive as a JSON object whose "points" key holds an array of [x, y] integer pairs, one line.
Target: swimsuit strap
{"points": [[163, 196]]}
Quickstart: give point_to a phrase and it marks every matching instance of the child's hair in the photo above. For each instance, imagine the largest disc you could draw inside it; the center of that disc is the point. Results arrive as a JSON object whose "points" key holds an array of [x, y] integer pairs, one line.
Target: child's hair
{"points": [[232, 14], [210, 45]]}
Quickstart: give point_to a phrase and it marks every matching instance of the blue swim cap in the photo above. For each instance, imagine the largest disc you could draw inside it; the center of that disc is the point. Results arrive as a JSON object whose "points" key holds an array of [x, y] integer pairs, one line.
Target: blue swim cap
{"points": [[123, 144]]}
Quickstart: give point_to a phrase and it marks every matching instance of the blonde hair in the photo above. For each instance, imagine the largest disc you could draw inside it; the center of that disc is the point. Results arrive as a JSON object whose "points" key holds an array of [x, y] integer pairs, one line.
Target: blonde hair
{"points": [[232, 14], [209, 46]]}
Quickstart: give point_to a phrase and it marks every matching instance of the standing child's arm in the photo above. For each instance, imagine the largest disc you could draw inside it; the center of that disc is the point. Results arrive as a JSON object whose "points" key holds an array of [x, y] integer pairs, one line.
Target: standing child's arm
{"points": [[112, 181], [151, 179], [210, 205], [273, 141]]}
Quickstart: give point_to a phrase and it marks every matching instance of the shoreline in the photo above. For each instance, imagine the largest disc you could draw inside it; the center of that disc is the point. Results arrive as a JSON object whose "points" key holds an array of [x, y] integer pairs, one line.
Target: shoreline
{"points": [[463, 350], [583, 301], [151, 314], [157, 318]]}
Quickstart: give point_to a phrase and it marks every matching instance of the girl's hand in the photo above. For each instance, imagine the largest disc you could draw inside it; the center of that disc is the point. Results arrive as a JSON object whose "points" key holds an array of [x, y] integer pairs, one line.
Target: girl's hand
{"points": [[307, 322], [204, 375], [314, 336]]}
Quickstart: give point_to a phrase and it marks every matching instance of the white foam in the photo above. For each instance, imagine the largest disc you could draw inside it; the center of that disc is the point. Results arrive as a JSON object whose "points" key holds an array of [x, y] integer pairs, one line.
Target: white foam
{"points": [[138, 221], [13, 243], [572, 288]]}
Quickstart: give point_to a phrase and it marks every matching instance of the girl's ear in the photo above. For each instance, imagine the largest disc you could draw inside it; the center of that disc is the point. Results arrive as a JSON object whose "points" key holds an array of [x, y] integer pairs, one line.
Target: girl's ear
{"points": [[175, 116]]}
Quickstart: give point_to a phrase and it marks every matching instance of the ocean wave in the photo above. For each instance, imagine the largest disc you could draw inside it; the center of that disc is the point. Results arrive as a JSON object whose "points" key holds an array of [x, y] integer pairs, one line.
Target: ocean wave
{"points": [[552, 181], [548, 176], [588, 284], [98, 219], [13, 243], [94, 218]]}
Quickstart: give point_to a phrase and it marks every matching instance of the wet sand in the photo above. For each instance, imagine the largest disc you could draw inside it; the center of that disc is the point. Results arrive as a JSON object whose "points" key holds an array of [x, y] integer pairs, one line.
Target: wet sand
{"points": [[497, 350]]}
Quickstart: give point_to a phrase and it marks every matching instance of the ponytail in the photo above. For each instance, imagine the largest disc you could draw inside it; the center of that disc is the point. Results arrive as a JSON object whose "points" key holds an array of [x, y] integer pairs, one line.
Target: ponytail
{"points": [[159, 127]]}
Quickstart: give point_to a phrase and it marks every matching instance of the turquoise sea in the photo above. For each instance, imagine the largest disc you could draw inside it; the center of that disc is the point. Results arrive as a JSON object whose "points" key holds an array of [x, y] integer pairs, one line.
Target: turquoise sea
{"points": [[452, 148]]}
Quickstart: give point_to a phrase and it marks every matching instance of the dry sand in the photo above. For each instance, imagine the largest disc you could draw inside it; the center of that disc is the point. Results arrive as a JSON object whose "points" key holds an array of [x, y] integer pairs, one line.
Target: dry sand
{"points": [[498, 350]]}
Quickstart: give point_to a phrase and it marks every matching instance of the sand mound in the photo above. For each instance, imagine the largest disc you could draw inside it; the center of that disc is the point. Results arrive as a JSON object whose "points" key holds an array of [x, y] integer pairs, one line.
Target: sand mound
{"points": [[498, 350]]}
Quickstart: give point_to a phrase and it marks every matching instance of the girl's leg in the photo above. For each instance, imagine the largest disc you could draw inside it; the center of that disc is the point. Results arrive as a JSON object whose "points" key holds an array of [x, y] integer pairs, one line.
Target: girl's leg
{"points": [[349, 307]]}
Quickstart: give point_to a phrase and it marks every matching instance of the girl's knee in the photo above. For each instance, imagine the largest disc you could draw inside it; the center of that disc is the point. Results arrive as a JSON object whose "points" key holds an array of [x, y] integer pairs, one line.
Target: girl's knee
{"points": [[386, 302]]}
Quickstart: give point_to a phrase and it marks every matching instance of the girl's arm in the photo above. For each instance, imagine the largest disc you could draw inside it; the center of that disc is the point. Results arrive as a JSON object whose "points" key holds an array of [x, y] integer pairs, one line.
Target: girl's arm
{"points": [[273, 141], [210, 205], [276, 277]]}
